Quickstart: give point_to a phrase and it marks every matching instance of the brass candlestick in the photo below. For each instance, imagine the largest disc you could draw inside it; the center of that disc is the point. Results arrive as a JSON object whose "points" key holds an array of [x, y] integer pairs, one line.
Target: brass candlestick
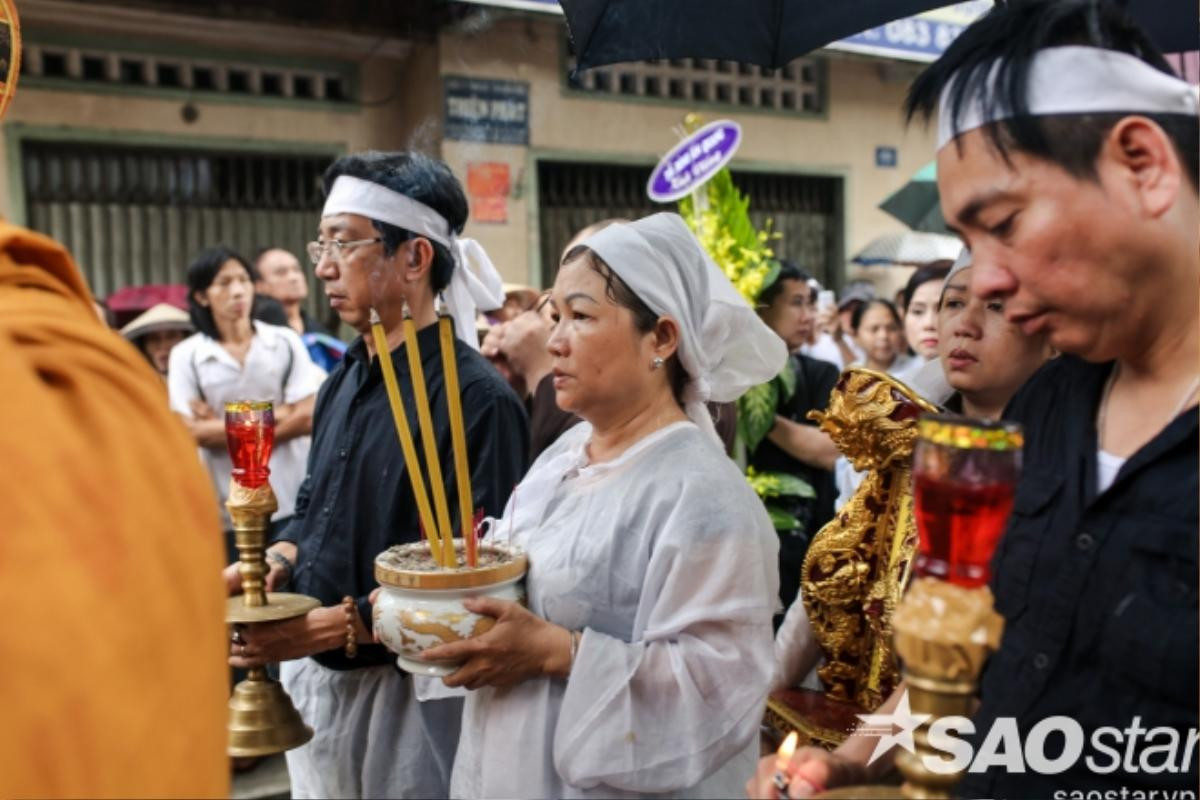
{"points": [[944, 633], [262, 719]]}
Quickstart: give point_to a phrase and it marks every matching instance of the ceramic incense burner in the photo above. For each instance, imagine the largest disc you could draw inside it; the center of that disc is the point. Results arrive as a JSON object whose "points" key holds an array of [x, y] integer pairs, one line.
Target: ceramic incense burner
{"points": [[421, 603]]}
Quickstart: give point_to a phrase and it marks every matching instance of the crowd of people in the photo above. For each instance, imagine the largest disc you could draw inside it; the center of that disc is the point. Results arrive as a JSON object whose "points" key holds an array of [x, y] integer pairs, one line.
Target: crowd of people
{"points": [[662, 602]]}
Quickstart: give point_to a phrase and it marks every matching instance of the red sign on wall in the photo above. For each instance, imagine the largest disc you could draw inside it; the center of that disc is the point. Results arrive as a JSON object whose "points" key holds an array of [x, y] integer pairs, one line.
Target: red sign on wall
{"points": [[488, 185]]}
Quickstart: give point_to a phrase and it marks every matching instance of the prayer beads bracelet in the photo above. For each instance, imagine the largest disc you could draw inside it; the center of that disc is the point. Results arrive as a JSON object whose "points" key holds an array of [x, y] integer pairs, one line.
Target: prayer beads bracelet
{"points": [[351, 636]]}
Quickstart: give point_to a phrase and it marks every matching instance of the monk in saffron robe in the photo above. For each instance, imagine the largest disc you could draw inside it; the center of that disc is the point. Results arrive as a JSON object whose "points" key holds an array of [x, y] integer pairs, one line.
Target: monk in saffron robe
{"points": [[113, 652]]}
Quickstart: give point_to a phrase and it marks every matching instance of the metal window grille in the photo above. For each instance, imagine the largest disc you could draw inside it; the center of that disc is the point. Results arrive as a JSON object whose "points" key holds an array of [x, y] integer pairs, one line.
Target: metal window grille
{"points": [[168, 72], [796, 88], [805, 209], [132, 216]]}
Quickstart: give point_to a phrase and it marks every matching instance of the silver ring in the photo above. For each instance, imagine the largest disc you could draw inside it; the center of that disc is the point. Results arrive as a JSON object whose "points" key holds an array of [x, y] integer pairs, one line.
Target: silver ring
{"points": [[237, 637]]}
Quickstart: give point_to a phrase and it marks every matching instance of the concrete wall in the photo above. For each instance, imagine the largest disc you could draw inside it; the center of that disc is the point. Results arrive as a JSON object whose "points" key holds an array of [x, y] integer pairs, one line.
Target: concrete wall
{"points": [[135, 118], [401, 106], [863, 111], [397, 87]]}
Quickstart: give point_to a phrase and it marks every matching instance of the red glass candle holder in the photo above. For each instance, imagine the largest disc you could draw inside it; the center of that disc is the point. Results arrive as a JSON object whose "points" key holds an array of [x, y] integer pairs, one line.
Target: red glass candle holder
{"points": [[250, 433], [965, 473]]}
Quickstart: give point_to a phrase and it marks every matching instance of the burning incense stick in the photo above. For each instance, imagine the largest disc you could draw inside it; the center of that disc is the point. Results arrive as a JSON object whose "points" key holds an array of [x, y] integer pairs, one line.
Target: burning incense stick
{"points": [[445, 534], [411, 465], [458, 437]]}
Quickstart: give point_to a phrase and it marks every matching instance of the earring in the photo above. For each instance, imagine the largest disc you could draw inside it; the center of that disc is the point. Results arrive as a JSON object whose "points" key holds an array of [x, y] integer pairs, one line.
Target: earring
{"points": [[656, 363]]}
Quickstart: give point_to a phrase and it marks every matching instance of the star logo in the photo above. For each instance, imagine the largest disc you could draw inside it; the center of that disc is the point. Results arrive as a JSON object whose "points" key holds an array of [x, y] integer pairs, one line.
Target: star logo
{"points": [[884, 726]]}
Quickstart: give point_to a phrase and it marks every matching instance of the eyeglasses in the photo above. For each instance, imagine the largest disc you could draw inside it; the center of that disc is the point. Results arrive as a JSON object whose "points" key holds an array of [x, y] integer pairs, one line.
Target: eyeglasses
{"points": [[334, 248]]}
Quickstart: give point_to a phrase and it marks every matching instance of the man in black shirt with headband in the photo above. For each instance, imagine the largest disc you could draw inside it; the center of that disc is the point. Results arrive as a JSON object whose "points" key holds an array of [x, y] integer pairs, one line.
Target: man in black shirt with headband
{"points": [[388, 237]]}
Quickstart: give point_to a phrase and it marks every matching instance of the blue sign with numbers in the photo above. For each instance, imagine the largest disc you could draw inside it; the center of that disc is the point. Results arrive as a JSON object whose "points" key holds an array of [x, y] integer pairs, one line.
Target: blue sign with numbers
{"points": [[920, 38], [907, 37]]}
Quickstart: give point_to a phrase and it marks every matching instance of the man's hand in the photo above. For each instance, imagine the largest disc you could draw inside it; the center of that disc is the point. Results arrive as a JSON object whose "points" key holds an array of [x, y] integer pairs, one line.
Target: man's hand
{"points": [[811, 771], [829, 322], [520, 646], [523, 342], [276, 575], [262, 643], [806, 443], [490, 349], [490, 346]]}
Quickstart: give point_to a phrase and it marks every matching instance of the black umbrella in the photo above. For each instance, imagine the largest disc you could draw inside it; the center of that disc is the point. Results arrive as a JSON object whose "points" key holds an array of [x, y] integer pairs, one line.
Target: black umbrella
{"points": [[771, 33]]}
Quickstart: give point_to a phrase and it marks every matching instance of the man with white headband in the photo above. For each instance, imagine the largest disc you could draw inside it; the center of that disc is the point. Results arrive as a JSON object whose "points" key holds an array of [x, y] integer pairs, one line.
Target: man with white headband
{"points": [[388, 241], [1068, 161]]}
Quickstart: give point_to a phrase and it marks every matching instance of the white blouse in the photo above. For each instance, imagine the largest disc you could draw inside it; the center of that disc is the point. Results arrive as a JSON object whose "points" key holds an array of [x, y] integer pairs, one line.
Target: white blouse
{"points": [[666, 560], [277, 368]]}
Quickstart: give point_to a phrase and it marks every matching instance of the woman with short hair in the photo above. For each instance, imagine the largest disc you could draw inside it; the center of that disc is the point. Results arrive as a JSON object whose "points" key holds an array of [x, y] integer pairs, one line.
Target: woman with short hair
{"points": [[233, 357]]}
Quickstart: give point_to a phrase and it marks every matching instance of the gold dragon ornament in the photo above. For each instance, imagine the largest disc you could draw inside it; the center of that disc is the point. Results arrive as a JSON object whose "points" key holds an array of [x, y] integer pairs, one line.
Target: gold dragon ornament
{"points": [[858, 564]]}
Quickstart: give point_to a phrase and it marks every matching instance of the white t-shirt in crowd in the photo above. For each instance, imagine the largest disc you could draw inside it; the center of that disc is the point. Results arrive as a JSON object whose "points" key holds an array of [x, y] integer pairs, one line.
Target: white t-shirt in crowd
{"points": [[826, 349], [278, 368]]}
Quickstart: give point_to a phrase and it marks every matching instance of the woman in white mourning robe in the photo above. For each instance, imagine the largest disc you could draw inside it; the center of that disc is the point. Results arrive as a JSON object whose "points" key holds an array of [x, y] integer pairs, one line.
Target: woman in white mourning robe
{"points": [[643, 660]]}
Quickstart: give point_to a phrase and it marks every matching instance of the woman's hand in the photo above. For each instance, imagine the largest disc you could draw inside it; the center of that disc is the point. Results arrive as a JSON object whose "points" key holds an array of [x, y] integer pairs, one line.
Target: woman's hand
{"points": [[265, 642], [520, 646], [811, 771]]}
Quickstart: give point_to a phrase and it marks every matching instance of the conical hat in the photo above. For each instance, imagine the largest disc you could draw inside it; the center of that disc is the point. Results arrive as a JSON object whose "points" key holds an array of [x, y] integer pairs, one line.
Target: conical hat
{"points": [[162, 317]]}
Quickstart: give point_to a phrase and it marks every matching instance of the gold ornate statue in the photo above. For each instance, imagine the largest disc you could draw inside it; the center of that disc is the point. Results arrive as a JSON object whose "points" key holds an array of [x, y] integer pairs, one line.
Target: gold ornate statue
{"points": [[858, 564]]}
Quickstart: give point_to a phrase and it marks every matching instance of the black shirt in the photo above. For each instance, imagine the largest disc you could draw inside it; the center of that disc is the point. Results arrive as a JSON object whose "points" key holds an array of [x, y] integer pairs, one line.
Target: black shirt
{"points": [[815, 379], [357, 500], [1098, 592]]}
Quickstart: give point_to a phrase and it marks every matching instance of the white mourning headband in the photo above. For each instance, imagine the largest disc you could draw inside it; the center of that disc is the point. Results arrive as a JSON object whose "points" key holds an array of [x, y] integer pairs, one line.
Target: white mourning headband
{"points": [[351, 195], [1074, 80], [474, 285]]}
